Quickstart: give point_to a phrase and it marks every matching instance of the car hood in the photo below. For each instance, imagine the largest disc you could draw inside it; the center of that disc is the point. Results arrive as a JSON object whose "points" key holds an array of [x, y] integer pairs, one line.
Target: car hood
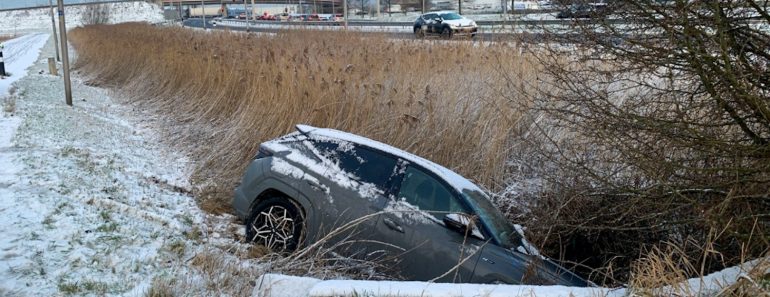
{"points": [[459, 23]]}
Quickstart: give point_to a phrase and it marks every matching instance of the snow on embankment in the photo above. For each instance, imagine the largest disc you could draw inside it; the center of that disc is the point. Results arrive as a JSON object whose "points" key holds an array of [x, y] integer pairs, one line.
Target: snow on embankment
{"points": [[276, 285], [40, 19], [90, 202], [19, 54]]}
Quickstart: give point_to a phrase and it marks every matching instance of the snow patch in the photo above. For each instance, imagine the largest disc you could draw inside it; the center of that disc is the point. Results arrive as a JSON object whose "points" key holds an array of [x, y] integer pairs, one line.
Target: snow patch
{"points": [[526, 247], [282, 285], [19, 54], [278, 285], [15, 21], [411, 214]]}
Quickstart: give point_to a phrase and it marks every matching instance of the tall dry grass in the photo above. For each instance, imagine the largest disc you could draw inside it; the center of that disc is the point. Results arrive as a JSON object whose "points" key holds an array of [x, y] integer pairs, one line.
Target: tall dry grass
{"points": [[4, 38], [231, 91]]}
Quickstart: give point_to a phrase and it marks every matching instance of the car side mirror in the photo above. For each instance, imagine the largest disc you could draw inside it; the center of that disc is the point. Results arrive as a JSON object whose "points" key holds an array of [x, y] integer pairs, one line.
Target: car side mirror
{"points": [[463, 223], [439, 20]]}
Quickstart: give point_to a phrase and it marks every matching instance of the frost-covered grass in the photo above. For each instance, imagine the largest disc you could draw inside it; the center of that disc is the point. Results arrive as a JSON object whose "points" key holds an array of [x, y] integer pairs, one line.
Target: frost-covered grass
{"points": [[442, 101], [91, 203]]}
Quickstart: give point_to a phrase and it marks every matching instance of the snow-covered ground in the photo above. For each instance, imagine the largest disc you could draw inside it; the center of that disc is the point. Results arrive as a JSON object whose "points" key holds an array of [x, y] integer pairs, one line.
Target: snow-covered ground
{"points": [[31, 20], [90, 202], [276, 285]]}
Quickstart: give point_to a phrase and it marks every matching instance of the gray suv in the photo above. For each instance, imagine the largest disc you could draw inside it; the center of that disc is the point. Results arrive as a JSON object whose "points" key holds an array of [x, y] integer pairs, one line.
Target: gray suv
{"points": [[432, 223]]}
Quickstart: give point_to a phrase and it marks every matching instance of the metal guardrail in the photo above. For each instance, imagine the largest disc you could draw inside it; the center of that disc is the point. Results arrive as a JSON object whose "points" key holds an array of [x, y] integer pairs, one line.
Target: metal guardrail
{"points": [[529, 22], [361, 23]]}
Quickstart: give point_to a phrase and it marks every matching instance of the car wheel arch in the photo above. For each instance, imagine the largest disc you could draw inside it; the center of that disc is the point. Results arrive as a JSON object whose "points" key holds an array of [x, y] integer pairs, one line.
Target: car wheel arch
{"points": [[271, 192], [446, 31]]}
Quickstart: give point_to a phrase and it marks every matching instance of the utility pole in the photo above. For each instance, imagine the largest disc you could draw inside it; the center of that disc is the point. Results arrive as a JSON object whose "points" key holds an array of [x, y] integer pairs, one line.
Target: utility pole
{"points": [[423, 6], [203, 14], [378, 9], [64, 54], [246, 12], [345, 12], [253, 10], [55, 36], [460, 6]]}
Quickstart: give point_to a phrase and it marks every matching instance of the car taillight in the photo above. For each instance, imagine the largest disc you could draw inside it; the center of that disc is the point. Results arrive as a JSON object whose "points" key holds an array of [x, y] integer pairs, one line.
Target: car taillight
{"points": [[263, 153]]}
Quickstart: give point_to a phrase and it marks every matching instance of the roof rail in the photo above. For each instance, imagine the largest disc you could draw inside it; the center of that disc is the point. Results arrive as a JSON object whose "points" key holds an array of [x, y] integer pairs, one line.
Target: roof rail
{"points": [[305, 129]]}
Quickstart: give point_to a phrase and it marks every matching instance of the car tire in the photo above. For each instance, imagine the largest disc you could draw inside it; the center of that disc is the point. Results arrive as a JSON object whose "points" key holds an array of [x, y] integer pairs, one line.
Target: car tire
{"points": [[446, 33], [276, 223], [419, 33]]}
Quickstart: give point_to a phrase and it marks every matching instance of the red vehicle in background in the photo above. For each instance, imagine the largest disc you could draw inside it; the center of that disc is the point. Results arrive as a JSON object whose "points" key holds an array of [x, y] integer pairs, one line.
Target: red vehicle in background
{"points": [[266, 17], [313, 17]]}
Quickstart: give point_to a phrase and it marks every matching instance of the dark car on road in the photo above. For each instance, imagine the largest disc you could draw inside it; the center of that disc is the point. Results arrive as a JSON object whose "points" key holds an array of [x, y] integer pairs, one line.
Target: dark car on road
{"points": [[583, 10], [432, 223], [446, 24]]}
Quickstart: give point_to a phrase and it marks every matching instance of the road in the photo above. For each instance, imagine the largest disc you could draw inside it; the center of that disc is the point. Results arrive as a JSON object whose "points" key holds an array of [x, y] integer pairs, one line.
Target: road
{"points": [[398, 32]]}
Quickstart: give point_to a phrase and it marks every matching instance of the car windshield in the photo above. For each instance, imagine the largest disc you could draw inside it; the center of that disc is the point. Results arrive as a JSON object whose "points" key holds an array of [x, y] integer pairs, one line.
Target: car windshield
{"points": [[497, 223], [451, 16]]}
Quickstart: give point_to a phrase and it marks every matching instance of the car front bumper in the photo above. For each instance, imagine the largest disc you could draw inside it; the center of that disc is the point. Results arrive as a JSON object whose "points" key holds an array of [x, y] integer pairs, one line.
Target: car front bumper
{"points": [[463, 31]]}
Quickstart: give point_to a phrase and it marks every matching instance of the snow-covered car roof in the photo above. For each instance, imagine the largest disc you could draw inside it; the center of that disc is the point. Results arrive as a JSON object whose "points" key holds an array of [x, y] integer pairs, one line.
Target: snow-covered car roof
{"points": [[455, 180]]}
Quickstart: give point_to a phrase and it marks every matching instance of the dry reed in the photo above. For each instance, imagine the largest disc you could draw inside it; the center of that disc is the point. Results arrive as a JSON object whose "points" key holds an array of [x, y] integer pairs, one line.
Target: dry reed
{"points": [[227, 92]]}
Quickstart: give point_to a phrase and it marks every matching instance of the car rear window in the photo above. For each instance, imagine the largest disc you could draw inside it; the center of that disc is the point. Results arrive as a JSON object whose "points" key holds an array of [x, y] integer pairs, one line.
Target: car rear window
{"points": [[362, 163]]}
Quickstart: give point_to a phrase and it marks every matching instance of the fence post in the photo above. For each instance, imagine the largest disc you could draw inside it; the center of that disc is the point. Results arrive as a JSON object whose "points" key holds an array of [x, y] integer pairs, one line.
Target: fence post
{"points": [[2, 61], [52, 67]]}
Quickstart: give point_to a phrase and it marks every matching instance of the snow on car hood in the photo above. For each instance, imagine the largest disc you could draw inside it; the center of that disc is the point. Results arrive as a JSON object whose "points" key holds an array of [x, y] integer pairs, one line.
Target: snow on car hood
{"points": [[460, 22]]}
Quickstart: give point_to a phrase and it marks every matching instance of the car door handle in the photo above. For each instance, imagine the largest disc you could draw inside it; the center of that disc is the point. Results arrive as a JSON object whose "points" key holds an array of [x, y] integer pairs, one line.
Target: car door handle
{"points": [[393, 225]]}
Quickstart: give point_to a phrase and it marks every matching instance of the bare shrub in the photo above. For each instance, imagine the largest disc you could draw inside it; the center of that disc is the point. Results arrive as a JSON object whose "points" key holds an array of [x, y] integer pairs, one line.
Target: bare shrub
{"points": [[232, 91], [6, 37], [650, 132], [9, 103], [95, 14]]}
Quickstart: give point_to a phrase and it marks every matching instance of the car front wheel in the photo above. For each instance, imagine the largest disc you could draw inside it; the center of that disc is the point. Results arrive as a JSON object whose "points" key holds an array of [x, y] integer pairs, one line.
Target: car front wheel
{"points": [[419, 33], [276, 223], [446, 33]]}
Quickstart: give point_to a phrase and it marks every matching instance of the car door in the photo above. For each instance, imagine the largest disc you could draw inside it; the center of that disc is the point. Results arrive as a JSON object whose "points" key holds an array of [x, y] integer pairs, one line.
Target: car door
{"points": [[350, 186], [428, 23], [437, 26], [413, 221]]}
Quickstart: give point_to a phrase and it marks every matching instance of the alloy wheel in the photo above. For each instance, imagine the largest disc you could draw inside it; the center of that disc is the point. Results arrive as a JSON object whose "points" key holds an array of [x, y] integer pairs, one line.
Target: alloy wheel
{"points": [[274, 228]]}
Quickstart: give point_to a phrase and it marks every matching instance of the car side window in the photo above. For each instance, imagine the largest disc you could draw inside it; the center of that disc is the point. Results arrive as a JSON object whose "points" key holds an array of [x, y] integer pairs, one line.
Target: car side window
{"points": [[361, 163], [424, 191]]}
